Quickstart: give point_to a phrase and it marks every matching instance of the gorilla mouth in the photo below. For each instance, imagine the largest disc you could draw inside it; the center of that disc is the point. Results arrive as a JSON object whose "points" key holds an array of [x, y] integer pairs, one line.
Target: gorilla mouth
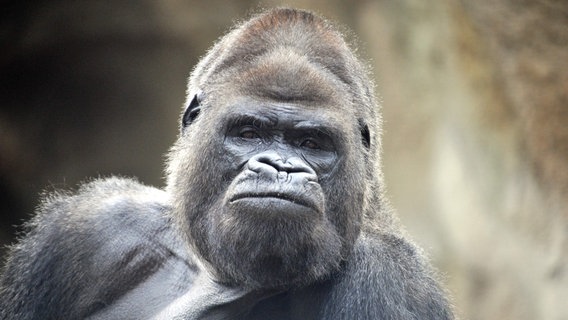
{"points": [[293, 198]]}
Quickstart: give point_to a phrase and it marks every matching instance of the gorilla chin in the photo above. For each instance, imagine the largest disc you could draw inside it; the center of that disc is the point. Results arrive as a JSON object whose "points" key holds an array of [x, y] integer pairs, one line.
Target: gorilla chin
{"points": [[287, 246]]}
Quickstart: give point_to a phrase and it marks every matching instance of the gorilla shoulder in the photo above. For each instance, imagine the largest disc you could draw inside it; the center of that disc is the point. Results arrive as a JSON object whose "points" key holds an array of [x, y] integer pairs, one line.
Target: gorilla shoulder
{"points": [[394, 274], [80, 245], [112, 206]]}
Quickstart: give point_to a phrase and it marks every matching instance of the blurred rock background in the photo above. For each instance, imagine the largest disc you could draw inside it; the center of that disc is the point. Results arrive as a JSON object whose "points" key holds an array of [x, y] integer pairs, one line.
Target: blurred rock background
{"points": [[475, 102]]}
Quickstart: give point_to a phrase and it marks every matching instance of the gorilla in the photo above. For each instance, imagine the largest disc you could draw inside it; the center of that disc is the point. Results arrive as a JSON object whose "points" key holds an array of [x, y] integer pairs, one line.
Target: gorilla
{"points": [[274, 206]]}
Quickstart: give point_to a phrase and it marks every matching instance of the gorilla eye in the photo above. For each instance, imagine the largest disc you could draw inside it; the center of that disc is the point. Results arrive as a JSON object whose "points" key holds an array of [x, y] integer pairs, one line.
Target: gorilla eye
{"points": [[249, 133], [310, 144]]}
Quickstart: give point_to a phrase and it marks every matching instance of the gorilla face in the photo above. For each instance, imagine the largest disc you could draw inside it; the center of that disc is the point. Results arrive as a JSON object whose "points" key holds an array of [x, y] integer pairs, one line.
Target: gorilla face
{"points": [[271, 190], [272, 217], [269, 175]]}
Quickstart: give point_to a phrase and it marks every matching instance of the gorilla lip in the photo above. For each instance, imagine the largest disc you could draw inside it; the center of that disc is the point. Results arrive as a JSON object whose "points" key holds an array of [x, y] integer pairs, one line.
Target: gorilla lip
{"points": [[276, 195]]}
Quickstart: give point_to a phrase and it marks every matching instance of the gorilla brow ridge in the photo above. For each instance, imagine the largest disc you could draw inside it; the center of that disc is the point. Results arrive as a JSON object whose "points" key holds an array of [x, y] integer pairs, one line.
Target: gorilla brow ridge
{"points": [[250, 119]]}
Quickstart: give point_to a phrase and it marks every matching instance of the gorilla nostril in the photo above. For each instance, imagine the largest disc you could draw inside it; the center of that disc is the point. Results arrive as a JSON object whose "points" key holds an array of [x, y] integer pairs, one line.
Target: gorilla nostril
{"points": [[260, 167], [297, 165]]}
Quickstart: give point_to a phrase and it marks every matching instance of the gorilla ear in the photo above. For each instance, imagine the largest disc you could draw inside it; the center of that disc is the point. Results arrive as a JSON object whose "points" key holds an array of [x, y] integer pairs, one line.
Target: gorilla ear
{"points": [[365, 134], [192, 111]]}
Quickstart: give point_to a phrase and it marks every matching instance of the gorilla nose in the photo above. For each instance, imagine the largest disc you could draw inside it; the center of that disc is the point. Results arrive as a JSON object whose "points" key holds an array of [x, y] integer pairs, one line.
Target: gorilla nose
{"points": [[272, 164]]}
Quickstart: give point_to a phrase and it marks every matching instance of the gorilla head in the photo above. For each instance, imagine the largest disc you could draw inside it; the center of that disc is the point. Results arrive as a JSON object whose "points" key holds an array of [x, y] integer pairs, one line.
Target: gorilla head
{"points": [[274, 170]]}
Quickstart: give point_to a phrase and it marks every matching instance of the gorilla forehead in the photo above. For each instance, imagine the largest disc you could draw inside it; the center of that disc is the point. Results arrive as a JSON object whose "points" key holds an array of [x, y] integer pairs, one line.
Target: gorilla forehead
{"points": [[286, 76]]}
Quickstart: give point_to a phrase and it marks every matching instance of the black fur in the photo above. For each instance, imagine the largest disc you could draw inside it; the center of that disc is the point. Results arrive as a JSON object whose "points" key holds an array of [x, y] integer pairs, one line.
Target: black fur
{"points": [[274, 206]]}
